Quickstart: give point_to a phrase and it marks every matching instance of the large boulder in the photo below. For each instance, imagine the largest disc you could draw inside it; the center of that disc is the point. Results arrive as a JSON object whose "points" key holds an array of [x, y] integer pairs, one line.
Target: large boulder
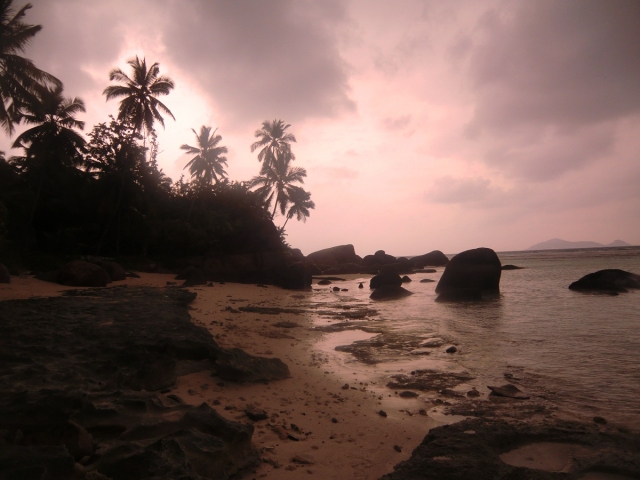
{"points": [[334, 256], [115, 270], [385, 279], [238, 366], [194, 277], [431, 259], [379, 258], [469, 274], [611, 280], [4, 274], [79, 273], [389, 292]]}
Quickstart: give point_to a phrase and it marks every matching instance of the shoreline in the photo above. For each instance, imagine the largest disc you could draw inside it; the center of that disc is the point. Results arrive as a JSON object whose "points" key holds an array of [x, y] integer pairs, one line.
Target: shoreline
{"points": [[324, 420]]}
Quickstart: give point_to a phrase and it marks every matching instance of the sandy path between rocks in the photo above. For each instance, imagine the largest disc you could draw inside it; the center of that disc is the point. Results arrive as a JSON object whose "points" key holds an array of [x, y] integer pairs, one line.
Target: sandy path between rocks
{"points": [[314, 426]]}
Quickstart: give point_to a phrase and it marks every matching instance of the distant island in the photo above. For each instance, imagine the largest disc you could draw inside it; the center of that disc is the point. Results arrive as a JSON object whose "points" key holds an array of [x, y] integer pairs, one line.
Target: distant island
{"points": [[557, 244]]}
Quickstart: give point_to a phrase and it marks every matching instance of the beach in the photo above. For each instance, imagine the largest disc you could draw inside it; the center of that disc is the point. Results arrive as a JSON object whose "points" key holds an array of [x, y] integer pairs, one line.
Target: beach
{"points": [[332, 417], [315, 425]]}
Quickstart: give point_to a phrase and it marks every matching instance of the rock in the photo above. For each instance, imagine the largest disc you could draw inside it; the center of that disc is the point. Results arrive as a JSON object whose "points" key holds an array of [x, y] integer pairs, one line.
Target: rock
{"points": [[460, 295], [256, 414], [35, 462], [379, 258], [389, 292], [451, 349], [511, 267], [397, 448], [473, 393], [600, 420], [132, 275], [433, 259], [340, 254], [427, 280], [406, 279], [115, 270], [408, 394], [77, 440], [324, 282], [469, 274], [342, 269], [509, 390], [336, 289], [4, 274], [194, 277], [382, 413], [360, 285], [610, 280], [79, 273], [303, 459], [238, 366], [385, 279]]}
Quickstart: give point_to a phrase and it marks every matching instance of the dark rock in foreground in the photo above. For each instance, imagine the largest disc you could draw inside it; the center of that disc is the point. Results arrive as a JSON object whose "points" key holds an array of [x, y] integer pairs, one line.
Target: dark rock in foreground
{"points": [[511, 267], [4, 274], [79, 273], [472, 449], [470, 274], [610, 280], [509, 390], [389, 292], [81, 377]]}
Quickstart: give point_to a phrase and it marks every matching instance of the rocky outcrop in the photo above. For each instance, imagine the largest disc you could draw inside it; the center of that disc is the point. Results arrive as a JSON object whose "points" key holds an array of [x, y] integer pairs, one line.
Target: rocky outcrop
{"points": [[82, 376], [332, 256], [389, 292], [476, 448], [385, 279], [470, 274], [115, 270], [378, 259], [432, 259], [194, 277], [4, 274], [79, 273], [610, 280]]}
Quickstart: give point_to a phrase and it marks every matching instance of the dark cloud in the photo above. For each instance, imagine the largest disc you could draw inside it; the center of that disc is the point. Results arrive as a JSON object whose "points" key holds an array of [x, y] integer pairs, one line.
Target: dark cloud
{"points": [[262, 60], [556, 62]]}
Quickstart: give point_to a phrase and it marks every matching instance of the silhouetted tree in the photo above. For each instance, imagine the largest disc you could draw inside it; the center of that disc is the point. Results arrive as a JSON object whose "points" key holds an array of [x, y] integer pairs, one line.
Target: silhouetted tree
{"points": [[20, 79], [276, 182], [273, 139], [53, 143], [300, 204], [207, 164], [139, 105]]}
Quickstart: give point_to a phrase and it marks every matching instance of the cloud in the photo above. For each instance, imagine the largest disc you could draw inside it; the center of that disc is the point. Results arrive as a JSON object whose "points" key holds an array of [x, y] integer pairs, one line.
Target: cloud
{"points": [[566, 63], [262, 60], [397, 123], [337, 173], [468, 190]]}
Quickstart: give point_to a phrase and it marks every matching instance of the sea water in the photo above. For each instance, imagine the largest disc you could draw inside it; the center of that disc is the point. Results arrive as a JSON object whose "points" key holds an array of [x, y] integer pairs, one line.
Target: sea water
{"points": [[583, 349]]}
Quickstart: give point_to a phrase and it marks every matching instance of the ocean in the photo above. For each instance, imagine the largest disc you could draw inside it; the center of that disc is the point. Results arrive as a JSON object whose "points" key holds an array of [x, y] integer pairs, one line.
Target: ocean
{"points": [[581, 350]]}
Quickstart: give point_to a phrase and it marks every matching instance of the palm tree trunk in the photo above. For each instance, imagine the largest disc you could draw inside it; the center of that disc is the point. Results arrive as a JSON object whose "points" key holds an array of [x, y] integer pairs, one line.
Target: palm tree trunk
{"points": [[37, 199], [285, 222], [273, 214]]}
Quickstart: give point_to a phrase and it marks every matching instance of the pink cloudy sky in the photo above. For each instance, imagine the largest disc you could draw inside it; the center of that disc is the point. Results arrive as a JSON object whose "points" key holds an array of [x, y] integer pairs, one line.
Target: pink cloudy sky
{"points": [[422, 124]]}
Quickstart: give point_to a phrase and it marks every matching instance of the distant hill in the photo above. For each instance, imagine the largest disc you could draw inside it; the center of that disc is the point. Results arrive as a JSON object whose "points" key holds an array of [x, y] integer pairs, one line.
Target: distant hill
{"points": [[557, 243]]}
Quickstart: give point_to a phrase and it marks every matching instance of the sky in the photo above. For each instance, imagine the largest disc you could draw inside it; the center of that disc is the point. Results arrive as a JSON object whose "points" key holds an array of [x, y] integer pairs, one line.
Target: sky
{"points": [[422, 124]]}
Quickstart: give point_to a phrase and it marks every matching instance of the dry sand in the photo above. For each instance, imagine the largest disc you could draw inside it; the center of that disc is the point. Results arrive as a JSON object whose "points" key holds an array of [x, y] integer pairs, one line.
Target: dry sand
{"points": [[315, 426]]}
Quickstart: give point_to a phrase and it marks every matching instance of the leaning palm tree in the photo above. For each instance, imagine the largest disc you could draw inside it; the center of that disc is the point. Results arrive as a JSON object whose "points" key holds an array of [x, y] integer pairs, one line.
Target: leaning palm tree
{"points": [[139, 105], [20, 79], [276, 182], [209, 160], [53, 142], [300, 204], [274, 139]]}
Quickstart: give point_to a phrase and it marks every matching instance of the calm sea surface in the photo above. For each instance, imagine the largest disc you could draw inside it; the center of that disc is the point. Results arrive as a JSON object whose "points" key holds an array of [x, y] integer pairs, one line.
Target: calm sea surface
{"points": [[583, 349]]}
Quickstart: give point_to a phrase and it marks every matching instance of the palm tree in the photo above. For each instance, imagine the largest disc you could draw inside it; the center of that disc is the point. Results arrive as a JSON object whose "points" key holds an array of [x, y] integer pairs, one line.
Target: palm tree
{"points": [[53, 142], [139, 105], [274, 139], [20, 79], [208, 162], [275, 182], [300, 204]]}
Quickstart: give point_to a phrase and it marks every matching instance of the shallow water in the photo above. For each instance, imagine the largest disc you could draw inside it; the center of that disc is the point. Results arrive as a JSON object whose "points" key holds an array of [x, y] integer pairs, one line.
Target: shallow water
{"points": [[581, 349]]}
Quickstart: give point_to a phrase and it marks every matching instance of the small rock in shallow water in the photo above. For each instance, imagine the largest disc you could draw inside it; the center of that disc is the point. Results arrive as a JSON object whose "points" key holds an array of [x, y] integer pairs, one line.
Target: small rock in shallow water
{"points": [[382, 413], [397, 448], [451, 350], [510, 391], [345, 386], [473, 393], [600, 420], [408, 394]]}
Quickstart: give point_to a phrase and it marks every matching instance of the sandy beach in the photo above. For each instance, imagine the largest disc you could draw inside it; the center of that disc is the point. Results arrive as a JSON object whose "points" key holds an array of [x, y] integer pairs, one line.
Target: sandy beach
{"points": [[316, 425]]}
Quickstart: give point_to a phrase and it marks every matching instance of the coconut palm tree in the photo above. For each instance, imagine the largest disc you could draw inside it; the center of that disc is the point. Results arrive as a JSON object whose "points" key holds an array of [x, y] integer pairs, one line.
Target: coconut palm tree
{"points": [[20, 79], [139, 105], [276, 182], [53, 142], [274, 139], [300, 204], [208, 162]]}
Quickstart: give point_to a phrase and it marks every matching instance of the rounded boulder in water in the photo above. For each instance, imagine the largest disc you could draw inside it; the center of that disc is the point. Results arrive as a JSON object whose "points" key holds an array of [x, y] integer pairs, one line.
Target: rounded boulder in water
{"points": [[476, 270]]}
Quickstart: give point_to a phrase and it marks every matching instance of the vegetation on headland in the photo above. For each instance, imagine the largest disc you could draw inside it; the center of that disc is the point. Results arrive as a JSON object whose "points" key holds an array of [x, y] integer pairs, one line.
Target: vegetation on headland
{"points": [[104, 194]]}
